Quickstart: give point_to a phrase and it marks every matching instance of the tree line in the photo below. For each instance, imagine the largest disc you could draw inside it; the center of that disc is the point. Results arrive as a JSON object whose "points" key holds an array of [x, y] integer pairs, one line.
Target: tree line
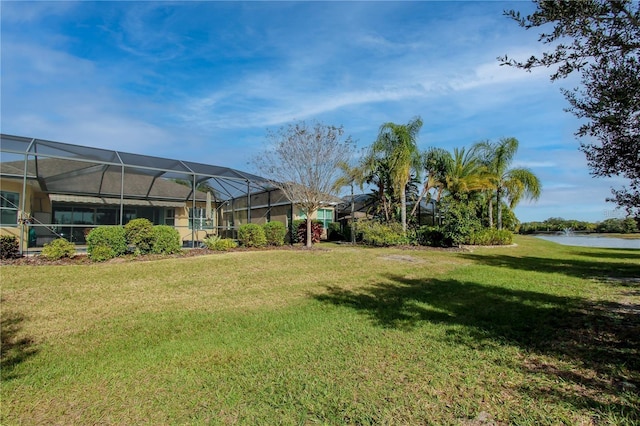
{"points": [[472, 188], [478, 183], [557, 224]]}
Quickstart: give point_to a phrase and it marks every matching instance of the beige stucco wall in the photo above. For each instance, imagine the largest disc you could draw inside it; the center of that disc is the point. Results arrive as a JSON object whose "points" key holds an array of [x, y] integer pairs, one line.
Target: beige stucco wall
{"points": [[14, 185]]}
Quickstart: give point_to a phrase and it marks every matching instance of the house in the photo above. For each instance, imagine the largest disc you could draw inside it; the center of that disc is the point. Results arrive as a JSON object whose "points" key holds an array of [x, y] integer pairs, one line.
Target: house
{"points": [[52, 189], [363, 206]]}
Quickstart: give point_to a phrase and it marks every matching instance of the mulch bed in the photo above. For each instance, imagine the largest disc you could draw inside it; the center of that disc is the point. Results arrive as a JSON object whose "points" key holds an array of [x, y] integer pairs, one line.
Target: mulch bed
{"points": [[82, 259]]}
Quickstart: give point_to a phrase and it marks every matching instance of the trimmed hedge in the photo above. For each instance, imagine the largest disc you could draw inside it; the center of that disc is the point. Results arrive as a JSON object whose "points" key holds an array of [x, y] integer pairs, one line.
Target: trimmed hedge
{"points": [[252, 235], [102, 253], [106, 242], [165, 239], [138, 233], [381, 235], [275, 232], [491, 237], [57, 249]]}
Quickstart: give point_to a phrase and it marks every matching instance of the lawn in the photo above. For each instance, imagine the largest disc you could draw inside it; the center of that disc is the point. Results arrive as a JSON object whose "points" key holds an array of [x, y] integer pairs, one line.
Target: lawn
{"points": [[534, 334]]}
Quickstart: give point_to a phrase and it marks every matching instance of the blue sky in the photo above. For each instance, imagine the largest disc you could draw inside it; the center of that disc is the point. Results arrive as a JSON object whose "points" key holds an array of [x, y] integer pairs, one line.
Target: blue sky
{"points": [[204, 81]]}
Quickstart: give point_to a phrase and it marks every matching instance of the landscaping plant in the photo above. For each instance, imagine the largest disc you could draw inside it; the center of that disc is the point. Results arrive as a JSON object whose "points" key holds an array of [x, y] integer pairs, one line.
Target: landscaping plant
{"points": [[58, 249], [252, 235], [139, 234], [9, 247], [165, 239], [316, 232], [217, 243], [106, 242], [275, 232]]}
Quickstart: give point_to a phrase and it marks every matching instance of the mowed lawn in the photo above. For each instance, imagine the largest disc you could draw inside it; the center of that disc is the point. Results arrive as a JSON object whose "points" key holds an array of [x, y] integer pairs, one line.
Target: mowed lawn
{"points": [[534, 334]]}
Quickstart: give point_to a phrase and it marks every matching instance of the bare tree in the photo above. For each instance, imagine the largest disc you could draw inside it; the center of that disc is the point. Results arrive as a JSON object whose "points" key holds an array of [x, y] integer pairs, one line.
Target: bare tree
{"points": [[303, 161]]}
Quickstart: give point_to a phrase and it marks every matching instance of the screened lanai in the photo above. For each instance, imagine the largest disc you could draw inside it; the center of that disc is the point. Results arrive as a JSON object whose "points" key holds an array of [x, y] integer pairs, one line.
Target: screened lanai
{"points": [[53, 185]]}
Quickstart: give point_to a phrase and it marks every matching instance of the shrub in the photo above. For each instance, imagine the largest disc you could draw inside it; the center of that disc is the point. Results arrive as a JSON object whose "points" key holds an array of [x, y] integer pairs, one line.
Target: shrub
{"points": [[9, 247], [102, 253], [220, 244], [275, 233], [165, 239], [252, 235], [334, 233], [57, 249], [491, 237], [459, 221], [316, 231], [138, 233], [294, 230], [110, 237], [378, 234], [430, 236]]}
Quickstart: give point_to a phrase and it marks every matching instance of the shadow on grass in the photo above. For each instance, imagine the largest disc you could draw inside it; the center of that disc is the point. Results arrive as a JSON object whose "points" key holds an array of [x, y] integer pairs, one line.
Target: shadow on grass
{"points": [[581, 268], [13, 350], [602, 339], [612, 253]]}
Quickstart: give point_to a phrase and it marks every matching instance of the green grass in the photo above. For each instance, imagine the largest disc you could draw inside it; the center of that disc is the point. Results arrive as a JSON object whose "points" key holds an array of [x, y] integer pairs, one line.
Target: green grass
{"points": [[534, 334]]}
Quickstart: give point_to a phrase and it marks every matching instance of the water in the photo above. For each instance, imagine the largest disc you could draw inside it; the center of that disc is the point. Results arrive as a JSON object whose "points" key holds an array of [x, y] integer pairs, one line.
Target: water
{"points": [[592, 241]]}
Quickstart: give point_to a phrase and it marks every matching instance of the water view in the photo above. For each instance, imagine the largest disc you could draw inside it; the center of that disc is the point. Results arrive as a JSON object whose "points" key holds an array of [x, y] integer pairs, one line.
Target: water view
{"points": [[593, 241]]}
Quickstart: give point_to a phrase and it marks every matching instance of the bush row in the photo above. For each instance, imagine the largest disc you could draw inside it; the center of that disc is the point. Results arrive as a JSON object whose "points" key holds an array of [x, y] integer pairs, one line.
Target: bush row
{"points": [[107, 242], [374, 233], [269, 234], [250, 235], [378, 234]]}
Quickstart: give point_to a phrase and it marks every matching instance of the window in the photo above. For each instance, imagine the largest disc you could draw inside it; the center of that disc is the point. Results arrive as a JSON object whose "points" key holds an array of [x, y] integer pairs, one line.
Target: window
{"points": [[170, 217], [9, 202], [326, 217], [107, 216], [198, 217], [323, 215]]}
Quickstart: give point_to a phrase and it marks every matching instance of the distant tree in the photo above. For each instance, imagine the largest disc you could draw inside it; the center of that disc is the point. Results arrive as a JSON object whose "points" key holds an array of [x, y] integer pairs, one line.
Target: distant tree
{"points": [[509, 183], [599, 39], [303, 161], [397, 144]]}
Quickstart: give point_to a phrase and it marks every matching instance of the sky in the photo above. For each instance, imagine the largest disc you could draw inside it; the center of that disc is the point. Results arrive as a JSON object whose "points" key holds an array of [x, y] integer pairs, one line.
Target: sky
{"points": [[206, 81]]}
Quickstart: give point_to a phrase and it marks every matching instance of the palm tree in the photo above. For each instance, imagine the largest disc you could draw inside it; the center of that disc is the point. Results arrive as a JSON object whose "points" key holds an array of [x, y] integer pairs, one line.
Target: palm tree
{"points": [[376, 172], [435, 162], [465, 174], [397, 143], [514, 183]]}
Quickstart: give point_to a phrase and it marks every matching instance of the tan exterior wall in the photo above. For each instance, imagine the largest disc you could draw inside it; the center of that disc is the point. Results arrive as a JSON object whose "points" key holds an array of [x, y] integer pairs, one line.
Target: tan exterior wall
{"points": [[182, 224], [14, 185]]}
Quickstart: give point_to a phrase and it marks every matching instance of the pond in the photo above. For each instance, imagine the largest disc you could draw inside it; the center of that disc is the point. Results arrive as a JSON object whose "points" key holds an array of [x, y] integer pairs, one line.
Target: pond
{"points": [[593, 241]]}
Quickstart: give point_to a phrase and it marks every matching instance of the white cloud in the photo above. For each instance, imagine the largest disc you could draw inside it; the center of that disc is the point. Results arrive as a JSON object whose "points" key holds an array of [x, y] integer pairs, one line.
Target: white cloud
{"points": [[30, 12]]}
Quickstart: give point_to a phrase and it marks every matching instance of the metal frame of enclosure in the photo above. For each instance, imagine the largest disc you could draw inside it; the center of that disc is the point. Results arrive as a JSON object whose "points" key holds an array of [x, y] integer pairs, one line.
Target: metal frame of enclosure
{"points": [[69, 170]]}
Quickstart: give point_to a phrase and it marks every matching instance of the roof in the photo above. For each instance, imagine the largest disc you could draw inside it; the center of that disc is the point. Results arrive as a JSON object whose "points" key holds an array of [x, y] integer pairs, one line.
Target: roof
{"points": [[86, 171]]}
